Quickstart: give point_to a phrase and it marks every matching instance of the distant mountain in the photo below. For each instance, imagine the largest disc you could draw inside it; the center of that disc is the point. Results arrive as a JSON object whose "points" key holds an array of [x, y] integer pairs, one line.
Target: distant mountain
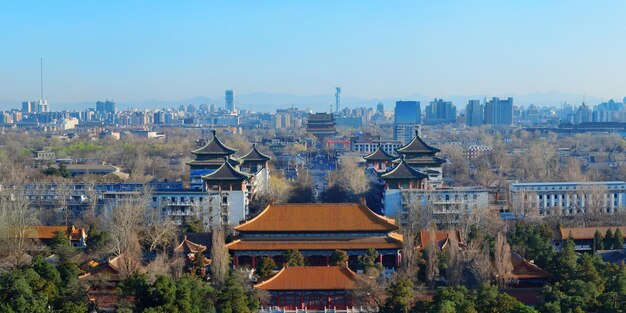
{"points": [[269, 102]]}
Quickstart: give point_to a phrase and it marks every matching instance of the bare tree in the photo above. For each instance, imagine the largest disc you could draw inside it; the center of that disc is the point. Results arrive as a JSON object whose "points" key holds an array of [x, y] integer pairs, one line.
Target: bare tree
{"points": [[351, 176], [159, 231], [478, 260], [432, 259], [92, 205], [370, 289], [454, 271], [63, 194], [125, 224], [523, 204], [502, 261], [16, 219], [160, 266], [220, 259]]}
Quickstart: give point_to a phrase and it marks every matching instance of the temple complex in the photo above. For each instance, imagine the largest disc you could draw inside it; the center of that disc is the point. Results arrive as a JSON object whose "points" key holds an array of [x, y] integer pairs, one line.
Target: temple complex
{"points": [[316, 230]]}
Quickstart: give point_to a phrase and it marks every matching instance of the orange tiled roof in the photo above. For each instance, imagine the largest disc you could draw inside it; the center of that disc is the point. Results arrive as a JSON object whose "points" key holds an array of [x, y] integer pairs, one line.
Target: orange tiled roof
{"points": [[441, 237], [391, 242], [311, 278], [47, 232], [318, 217], [586, 233], [522, 268], [189, 247]]}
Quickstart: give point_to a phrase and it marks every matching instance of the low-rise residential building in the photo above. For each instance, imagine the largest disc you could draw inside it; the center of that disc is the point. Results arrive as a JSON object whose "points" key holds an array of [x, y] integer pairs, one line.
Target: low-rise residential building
{"points": [[446, 204]]}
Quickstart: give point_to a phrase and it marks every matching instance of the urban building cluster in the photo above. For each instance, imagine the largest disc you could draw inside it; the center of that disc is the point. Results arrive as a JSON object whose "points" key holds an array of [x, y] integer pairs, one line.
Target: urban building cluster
{"points": [[400, 164]]}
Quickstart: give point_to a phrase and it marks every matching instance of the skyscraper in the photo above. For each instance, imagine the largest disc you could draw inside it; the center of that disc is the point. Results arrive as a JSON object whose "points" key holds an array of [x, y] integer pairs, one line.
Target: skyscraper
{"points": [[42, 106], [29, 106], [474, 113], [440, 112], [499, 112], [380, 109], [407, 115], [230, 100]]}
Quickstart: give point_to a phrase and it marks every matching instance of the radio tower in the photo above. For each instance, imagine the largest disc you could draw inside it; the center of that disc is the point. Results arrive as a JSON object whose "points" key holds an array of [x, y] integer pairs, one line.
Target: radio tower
{"points": [[41, 75], [337, 99]]}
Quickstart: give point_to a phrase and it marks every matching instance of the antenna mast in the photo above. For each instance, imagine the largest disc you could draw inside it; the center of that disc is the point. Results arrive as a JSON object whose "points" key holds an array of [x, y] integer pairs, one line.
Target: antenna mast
{"points": [[41, 72]]}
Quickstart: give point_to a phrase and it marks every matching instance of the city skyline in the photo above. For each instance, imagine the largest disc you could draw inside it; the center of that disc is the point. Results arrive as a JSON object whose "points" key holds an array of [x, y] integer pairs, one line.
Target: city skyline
{"points": [[139, 51]]}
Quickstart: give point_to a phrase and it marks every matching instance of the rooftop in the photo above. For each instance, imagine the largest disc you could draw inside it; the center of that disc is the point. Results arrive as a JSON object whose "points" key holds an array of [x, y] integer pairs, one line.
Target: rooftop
{"points": [[586, 233], [404, 171], [311, 278], [317, 217], [392, 241], [379, 155], [255, 155], [215, 147], [417, 145], [226, 172]]}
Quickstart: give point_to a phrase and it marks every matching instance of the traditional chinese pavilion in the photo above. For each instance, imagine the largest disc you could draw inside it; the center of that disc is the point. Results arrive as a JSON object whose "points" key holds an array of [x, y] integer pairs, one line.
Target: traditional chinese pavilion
{"points": [[311, 287], [254, 160], [316, 230], [209, 158], [404, 176], [226, 177], [379, 159], [420, 156]]}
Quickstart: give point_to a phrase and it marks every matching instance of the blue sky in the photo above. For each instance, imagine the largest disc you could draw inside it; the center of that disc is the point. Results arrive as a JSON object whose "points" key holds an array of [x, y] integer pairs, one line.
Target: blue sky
{"points": [[136, 50]]}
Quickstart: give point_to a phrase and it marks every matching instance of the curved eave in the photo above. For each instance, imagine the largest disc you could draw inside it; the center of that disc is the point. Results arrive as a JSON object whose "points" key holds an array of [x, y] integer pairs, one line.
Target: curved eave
{"points": [[255, 155], [415, 174], [215, 174], [215, 141], [422, 147], [379, 155]]}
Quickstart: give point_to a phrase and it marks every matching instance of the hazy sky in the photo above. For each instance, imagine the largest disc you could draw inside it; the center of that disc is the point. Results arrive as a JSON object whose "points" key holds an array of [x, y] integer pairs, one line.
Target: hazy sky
{"points": [[136, 50]]}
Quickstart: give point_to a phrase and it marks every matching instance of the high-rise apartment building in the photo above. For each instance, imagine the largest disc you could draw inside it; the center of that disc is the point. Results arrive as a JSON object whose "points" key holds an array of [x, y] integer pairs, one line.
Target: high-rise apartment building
{"points": [[499, 112], [29, 106], [474, 113], [440, 112], [42, 106], [407, 116], [230, 100]]}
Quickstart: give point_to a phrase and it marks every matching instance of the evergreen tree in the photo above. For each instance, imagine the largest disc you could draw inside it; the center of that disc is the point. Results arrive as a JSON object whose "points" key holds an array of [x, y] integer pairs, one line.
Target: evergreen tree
{"points": [[618, 239], [598, 244], [232, 298], [399, 296], [339, 258], [368, 261], [96, 238], [608, 239], [452, 299], [293, 258], [62, 246], [587, 272], [265, 268], [565, 260]]}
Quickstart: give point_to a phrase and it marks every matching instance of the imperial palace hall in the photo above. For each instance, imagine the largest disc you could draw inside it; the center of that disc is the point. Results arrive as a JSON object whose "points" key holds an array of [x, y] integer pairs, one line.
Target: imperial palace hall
{"points": [[313, 288], [316, 230]]}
